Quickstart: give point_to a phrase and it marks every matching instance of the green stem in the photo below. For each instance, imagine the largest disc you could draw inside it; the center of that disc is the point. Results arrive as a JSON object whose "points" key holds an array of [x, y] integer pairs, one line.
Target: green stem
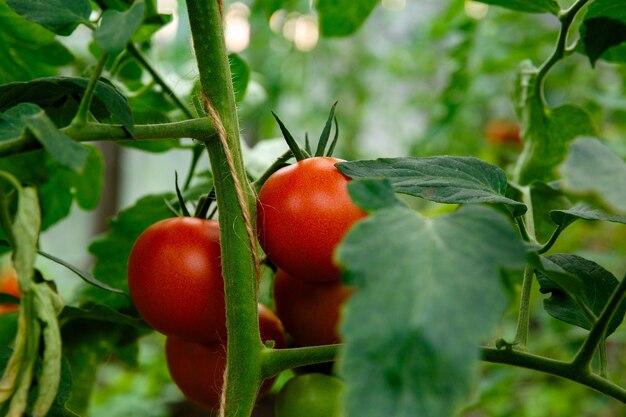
{"points": [[519, 221], [548, 245], [554, 367], [280, 161], [278, 360], [523, 317], [158, 79], [566, 17], [604, 367], [201, 129], [582, 360], [235, 204], [85, 103]]}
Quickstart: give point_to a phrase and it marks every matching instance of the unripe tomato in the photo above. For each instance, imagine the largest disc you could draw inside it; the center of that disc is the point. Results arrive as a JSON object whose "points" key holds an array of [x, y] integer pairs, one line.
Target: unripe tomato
{"points": [[198, 369], [310, 311], [304, 211], [8, 285], [310, 395], [175, 279]]}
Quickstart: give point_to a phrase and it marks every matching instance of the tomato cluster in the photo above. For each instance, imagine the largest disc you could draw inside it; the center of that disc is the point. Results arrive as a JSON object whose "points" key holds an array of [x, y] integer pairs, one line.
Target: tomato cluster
{"points": [[303, 212], [175, 281]]}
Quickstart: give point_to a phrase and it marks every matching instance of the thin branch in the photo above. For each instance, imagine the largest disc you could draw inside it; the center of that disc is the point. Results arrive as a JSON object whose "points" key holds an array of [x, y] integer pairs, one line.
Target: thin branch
{"points": [[83, 109]]}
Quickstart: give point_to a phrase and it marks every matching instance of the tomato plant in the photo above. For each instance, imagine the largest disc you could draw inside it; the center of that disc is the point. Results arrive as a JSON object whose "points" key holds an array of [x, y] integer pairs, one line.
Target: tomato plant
{"points": [[310, 310], [310, 395], [304, 211], [175, 278], [198, 368]]}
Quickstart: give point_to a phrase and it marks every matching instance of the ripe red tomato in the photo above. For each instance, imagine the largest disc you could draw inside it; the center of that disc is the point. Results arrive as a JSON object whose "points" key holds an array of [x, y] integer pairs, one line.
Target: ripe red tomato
{"points": [[8, 285], [310, 311], [198, 369], [500, 132], [304, 211], [175, 278]]}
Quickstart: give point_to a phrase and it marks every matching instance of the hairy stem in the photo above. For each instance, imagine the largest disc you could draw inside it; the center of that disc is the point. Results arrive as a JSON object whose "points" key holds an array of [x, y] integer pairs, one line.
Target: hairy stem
{"points": [[277, 360], [554, 367], [523, 317], [234, 198], [85, 103], [201, 129]]}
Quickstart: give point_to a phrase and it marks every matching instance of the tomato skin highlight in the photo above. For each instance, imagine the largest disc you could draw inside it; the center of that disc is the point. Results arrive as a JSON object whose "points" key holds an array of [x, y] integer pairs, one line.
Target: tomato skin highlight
{"points": [[175, 279], [9, 285], [303, 212], [198, 368], [310, 311]]}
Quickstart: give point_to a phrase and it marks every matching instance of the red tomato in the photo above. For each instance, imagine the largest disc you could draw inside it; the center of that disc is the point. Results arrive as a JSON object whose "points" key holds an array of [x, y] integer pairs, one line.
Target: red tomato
{"points": [[310, 311], [198, 369], [500, 132], [175, 278], [304, 211], [8, 285]]}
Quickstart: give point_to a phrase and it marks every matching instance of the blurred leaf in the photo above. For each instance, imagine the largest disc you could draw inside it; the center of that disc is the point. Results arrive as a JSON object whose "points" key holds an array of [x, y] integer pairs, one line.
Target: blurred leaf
{"points": [[598, 285], [342, 17], [240, 74], [59, 16], [29, 167], [61, 147], [8, 328], [546, 198], [64, 185], [592, 168], [440, 298], [603, 28], [27, 50], [564, 218], [113, 248], [99, 312], [444, 179], [117, 28], [530, 6]]}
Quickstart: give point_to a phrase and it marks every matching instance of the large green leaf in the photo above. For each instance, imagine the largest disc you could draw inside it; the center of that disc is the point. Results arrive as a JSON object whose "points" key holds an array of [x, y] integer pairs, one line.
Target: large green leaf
{"points": [[444, 179], [49, 91], [430, 292], [27, 50], [59, 16], [582, 211], [592, 168], [343, 17], [529, 6], [574, 307], [603, 29], [113, 248], [117, 28]]}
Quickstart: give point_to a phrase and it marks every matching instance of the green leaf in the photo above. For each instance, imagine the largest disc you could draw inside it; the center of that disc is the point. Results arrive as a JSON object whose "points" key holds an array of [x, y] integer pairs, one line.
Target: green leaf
{"points": [[444, 179], [592, 168], [546, 140], [529, 6], [598, 286], [373, 194], [117, 28], [112, 249], [440, 298], [566, 280], [27, 50], [49, 91], [241, 76], [60, 146], [603, 28], [564, 218], [59, 16], [100, 312], [342, 17], [545, 199]]}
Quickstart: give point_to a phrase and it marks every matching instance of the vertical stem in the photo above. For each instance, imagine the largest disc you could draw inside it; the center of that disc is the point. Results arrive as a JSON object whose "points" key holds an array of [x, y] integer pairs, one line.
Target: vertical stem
{"points": [[85, 103], [523, 318], [234, 198]]}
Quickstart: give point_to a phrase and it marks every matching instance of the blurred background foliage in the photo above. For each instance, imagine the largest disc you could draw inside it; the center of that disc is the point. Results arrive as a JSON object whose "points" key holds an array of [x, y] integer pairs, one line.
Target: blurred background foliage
{"points": [[419, 78]]}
